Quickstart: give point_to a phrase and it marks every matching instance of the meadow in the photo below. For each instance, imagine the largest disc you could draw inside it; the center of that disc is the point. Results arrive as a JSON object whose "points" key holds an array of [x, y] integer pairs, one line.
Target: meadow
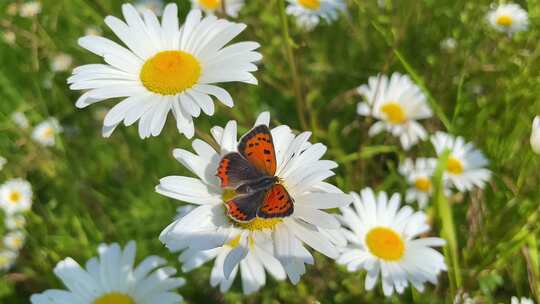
{"points": [[481, 84]]}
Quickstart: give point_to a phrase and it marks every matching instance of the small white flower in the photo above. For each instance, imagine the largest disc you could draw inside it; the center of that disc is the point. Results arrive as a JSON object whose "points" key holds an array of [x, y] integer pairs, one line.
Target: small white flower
{"points": [[165, 68], [16, 196], [309, 13], [30, 9], [155, 6], [45, 132], [15, 221], [14, 240], [93, 31], [20, 120], [384, 240], [509, 18], [232, 7], [9, 37], [449, 44], [7, 259], [61, 62], [3, 162], [523, 300], [535, 135], [466, 164], [208, 227], [418, 175], [112, 278], [397, 103]]}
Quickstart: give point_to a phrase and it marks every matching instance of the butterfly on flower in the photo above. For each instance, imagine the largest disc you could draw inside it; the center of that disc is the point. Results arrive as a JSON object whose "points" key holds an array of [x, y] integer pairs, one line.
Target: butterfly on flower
{"points": [[250, 172]]}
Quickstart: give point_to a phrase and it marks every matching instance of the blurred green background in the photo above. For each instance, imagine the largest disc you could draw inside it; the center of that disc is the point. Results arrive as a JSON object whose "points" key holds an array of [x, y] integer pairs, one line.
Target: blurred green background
{"points": [[90, 190]]}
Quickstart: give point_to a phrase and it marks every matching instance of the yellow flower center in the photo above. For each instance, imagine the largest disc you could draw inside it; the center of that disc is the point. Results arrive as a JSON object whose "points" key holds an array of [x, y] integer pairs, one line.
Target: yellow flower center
{"points": [[394, 112], [14, 197], [504, 20], [422, 183], [16, 242], [385, 243], [210, 4], [170, 72], [260, 224], [48, 132], [310, 4], [114, 298], [454, 165]]}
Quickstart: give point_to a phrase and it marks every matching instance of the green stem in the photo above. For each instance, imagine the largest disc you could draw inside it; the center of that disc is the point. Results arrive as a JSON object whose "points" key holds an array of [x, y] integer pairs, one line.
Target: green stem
{"points": [[448, 231], [300, 103]]}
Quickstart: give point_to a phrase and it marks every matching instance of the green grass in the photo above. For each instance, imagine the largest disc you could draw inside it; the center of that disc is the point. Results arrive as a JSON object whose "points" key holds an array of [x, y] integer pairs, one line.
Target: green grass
{"points": [[90, 190]]}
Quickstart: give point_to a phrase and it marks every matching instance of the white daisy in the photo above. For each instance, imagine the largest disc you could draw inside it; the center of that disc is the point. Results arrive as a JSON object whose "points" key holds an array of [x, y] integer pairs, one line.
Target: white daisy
{"points": [[465, 167], [14, 240], [418, 175], [308, 13], [449, 44], [253, 266], [232, 7], [112, 279], [9, 37], [3, 162], [300, 170], [523, 300], [45, 132], [7, 259], [384, 239], [30, 9], [155, 6], [535, 135], [509, 18], [397, 103], [16, 196], [15, 221], [20, 120], [61, 62], [164, 68]]}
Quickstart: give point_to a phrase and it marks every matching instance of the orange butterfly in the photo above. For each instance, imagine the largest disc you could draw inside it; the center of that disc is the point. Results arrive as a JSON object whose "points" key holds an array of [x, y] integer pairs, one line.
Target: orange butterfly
{"points": [[251, 173]]}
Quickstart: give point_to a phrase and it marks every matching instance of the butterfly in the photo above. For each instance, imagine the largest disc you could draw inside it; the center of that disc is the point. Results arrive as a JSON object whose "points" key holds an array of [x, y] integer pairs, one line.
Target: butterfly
{"points": [[251, 173]]}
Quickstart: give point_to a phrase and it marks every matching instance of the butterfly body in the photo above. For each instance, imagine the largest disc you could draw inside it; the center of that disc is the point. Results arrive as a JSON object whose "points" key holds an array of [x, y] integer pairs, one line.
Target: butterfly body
{"points": [[250, 172]]}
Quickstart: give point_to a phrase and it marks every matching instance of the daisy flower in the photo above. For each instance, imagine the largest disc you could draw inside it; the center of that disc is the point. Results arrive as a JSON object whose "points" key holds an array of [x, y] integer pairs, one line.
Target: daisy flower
{"points": [[15, 221], [61, 62], [299, 169], [155, 6], [20, 120], [397, 103], [30, 9], [509, 18], [9, 37], [523, 300], [384, 240], [7, 259], [232, 7], [309, 13], [418, 175], [535, 135], [164, 68], [466, 164], [112, 278], [14, 240], [16, 196], [3, 162], [45, 132]]}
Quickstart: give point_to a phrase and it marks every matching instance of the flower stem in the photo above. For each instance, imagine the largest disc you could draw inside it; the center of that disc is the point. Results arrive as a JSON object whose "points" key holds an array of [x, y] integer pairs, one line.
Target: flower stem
{"points": [[448, 231], [300, 102]]}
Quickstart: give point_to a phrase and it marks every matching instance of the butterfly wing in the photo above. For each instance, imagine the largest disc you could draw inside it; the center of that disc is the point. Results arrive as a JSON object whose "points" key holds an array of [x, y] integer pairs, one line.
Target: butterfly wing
{"points": [[277, 203], [234, 170], [257, 146], [244, 208]]}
